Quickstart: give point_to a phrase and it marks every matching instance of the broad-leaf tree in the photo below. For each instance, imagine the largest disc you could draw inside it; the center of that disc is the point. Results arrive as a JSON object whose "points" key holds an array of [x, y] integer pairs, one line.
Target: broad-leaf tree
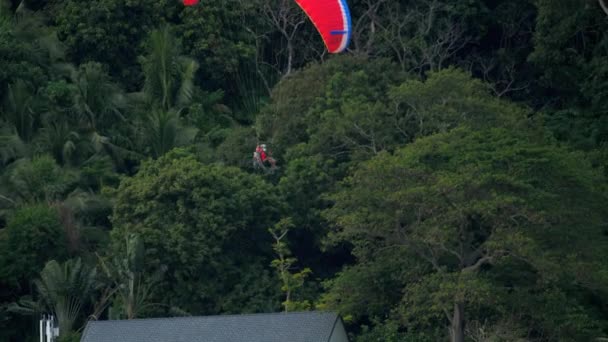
{"points": [[206, 223], [467, 204]]}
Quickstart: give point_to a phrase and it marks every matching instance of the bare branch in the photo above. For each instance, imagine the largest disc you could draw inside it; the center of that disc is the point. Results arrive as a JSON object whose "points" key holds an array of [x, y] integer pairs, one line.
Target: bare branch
{"points": [[442, 246], [475, 267], [367, 22], [7, 199], [604, 6]]}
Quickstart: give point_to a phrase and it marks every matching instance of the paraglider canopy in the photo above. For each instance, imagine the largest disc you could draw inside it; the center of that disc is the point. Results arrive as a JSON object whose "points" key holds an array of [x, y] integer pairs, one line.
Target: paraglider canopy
{"points": [[332, 20], [330, 17]]}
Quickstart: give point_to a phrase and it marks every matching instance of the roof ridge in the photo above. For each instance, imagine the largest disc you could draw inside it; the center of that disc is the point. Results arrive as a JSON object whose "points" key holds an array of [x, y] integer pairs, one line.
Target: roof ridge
{"points": [[282, 313]]}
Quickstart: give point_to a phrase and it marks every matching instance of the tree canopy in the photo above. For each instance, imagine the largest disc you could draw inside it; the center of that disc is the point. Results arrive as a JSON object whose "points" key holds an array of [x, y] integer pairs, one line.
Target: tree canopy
{"points": [[445, 178]]}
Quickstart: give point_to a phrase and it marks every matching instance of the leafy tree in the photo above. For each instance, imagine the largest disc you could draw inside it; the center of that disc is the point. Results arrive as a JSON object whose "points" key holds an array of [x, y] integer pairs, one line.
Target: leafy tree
{"points": [[27, 47], [107, 31], [466, 202], [570, 24], [291, 282], [126, 274], [88, 118], [570, 45], [169, 76], [97, 101], [205, 223], [65, 289], [368, 290], [33, 235], [237, 146], [303, 185], [426, 36], [168, 89], [21, 109], [87, 92], [445, 100], [11, 145], [216, 35], [39, 179], [307, 104], [165, 131]]}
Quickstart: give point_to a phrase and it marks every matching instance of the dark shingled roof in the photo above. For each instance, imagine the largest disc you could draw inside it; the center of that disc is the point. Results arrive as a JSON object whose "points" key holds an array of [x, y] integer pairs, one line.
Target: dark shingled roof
{"points": [[276, 327]]}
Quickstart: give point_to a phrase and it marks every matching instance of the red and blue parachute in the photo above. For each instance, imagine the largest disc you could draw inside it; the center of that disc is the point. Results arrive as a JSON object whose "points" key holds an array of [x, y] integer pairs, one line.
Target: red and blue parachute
{"points": [[330, 17]]}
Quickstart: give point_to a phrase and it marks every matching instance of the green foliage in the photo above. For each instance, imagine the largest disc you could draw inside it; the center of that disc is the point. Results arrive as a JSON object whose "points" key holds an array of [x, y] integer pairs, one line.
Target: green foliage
{"points": [[415, 181], [69, 337], [365, 108], [303, 185], [291, 282], [237, 147], [461, 213], [33, 235], [39, 179], [11, 145], [562, 29], [97, 101], [21, 109], [125, 273], [324, 104], [200, 221], [220, 37], [165, 130], [65, 289], [389, 332], [107, 31], [169, 77], [370, 288], [573, 69], [449, 98], [22, 52]]}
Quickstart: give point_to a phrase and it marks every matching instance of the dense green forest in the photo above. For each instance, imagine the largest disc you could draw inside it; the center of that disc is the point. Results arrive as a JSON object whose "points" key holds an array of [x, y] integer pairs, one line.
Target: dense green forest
{"points": [[443, 179]]}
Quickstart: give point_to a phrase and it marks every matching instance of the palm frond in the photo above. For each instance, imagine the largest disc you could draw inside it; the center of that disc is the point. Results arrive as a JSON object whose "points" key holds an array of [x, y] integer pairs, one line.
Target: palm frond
{"points": [[82, 202], [65, 289], [5, 9], [20, 109], [26, 306], [169, 82], [11, 145], [97, 100], [58, 139], [126, 272], [187, 75]]}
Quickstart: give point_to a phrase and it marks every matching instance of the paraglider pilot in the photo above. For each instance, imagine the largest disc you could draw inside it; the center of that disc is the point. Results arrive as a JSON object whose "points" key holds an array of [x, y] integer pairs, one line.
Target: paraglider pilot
{"points": [[262, 156]]}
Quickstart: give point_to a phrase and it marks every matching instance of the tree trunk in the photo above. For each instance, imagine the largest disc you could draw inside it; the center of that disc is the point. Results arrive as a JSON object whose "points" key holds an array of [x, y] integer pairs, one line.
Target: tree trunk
{"points": [[289, 57], [457, 328]]}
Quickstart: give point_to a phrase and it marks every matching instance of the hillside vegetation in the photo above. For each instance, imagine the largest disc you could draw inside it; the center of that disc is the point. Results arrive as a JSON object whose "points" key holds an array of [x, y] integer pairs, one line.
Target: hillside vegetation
{"points": [[443, 179]]}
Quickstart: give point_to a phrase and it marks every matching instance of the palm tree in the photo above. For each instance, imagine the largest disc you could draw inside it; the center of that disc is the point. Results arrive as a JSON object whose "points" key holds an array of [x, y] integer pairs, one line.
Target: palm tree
{"points": [[12, 147], [65, 289], [30, 27], [38, 179], [96, 99], [21, 109], [126, 272], [165, 130], [58, 138], [98, 109], [168, 89], [169, 76]]}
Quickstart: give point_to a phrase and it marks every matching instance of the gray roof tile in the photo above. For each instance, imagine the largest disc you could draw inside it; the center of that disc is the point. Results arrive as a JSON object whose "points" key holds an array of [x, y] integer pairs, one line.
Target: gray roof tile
{"points": [[278, 327]]}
